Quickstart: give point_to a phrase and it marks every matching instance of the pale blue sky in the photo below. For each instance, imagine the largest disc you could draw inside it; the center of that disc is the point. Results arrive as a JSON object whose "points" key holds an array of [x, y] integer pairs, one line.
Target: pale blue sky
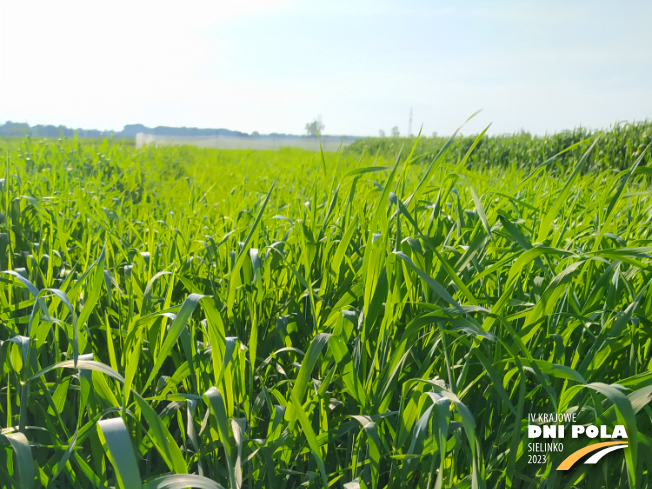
{"points": [[274, 65]]}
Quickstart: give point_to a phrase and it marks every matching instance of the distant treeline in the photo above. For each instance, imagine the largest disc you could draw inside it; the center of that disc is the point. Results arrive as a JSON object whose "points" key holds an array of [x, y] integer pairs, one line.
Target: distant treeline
{"points": [[617, 147], [21, 129]]}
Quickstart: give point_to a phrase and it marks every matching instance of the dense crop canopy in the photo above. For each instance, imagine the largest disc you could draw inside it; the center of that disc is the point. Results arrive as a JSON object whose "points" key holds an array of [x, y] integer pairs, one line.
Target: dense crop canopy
{"points": [[181, 317]]}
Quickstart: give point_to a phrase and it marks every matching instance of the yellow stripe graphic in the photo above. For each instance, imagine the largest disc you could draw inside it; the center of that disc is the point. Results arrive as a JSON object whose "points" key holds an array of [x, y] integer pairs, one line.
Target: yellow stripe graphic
{"points": [[575, 456]]}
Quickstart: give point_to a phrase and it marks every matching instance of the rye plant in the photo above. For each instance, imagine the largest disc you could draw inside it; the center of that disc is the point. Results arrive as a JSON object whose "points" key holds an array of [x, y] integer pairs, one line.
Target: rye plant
{"points": [[183, 317]]}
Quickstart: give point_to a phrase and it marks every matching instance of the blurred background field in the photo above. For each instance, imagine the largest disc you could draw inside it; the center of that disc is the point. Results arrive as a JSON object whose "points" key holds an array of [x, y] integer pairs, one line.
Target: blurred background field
{"points": [[14, 143], [616, 147]]}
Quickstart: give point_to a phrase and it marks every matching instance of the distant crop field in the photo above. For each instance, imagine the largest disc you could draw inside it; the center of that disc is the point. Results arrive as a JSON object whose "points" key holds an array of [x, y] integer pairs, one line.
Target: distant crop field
{"points": [[8, 142], [185, 317], [616, 148], [325, 143]]}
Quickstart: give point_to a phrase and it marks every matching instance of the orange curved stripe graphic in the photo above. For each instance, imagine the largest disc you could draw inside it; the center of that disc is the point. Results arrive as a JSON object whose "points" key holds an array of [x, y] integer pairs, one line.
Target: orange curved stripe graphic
{"points": [[575, 456]]}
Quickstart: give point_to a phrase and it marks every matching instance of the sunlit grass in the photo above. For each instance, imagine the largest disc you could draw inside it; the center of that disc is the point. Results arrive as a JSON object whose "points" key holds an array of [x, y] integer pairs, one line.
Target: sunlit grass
{"points": [[285, 319]]}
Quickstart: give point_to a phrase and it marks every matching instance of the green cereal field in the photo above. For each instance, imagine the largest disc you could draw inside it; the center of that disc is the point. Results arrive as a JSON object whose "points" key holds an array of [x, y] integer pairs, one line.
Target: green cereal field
{"points": [[383, 317]]}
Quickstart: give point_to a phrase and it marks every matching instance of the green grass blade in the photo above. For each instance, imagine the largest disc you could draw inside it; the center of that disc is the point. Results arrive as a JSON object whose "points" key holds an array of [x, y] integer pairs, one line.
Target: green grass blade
{"points": [[115, 437]]}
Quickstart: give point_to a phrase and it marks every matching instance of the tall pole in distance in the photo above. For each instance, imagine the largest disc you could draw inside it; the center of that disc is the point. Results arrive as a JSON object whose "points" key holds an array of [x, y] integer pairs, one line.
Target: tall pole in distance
{"points": [[409, 132]]}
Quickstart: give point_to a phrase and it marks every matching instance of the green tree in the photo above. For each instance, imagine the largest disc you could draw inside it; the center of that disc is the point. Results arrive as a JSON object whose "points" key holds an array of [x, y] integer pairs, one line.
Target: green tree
{"points": [[314, 127]]}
